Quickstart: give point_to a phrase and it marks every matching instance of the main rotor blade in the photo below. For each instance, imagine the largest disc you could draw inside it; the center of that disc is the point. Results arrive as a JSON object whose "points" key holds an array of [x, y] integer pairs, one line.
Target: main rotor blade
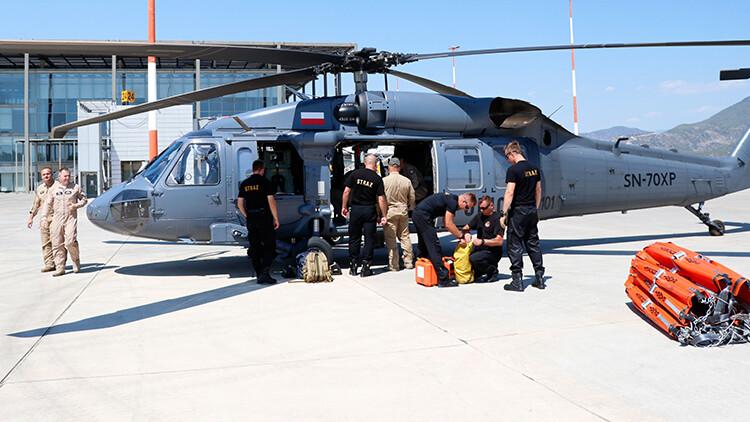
{"points": [[292, 77], [416, 57], [214, 51], [429, 84]]}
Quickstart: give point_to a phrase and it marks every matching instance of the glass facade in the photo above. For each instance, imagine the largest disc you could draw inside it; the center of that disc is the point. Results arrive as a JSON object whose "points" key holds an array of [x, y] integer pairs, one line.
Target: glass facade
{"points": [[53, 96]]}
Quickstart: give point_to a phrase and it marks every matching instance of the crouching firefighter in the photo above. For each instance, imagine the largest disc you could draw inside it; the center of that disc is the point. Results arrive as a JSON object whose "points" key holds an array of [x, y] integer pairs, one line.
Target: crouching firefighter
{"points": [[257, 204], [488, 243], [440, 205], [363, 190]]}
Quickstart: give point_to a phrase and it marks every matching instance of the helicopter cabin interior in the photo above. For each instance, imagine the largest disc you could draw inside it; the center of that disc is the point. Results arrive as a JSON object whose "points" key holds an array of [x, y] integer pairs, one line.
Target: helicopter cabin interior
{"points": [[350, 156], [284, 167]]}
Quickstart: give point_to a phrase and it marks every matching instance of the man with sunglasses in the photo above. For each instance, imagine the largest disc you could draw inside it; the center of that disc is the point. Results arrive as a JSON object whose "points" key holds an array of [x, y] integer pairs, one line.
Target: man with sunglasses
{"points": [[488, 243], [523, 195], [440, 205]]}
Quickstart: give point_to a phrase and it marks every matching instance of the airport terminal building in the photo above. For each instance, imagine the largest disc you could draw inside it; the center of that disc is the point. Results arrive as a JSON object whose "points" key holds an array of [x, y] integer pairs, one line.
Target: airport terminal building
{"points": [[40, 92]]}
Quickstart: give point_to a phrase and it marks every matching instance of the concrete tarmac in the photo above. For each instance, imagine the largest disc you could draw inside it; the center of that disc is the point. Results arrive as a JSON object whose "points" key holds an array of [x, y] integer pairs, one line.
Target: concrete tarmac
{"points": [[157, 331]]}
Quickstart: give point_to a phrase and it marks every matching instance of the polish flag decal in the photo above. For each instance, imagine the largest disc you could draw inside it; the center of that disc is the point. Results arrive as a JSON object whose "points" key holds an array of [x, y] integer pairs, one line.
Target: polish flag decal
{"points": [[312, 118]]}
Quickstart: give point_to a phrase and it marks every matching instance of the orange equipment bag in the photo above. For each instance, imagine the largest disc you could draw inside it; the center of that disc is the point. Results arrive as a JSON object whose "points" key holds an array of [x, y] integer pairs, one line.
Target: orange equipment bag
{"points": [[425, 272], [658, 315], [683, 289], [679, 309], [689, 296], [448, 264], [701, 269]]}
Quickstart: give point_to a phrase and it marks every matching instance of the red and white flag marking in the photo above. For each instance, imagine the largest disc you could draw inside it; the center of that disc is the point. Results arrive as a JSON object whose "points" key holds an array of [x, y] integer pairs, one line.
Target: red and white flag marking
{"points": [[310, 118]]}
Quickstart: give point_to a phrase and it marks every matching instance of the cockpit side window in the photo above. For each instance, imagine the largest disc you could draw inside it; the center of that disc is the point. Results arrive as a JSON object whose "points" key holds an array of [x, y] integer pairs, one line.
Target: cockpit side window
{"points": [[155, 167], [198, 165]]}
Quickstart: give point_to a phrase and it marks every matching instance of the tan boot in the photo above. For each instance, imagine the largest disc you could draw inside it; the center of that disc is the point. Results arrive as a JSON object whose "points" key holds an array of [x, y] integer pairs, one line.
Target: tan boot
{"points": [[59, 272], [76, 266], [48, 269]]}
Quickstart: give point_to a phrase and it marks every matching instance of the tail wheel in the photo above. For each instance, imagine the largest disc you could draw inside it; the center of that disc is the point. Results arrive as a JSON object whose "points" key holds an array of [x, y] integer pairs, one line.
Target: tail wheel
{"points": [[717, 228]]}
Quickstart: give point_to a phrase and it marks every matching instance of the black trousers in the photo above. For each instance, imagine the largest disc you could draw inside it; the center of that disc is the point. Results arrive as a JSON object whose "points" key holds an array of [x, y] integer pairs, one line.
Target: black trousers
{"points": [[362, 220], [262, 237], [428, 242], [483, 260], [523, 233]]}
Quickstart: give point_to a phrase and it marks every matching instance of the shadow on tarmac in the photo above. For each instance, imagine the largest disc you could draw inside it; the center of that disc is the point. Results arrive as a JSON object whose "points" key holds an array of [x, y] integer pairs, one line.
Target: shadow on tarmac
{"points": [[138, 313], [555, 246], [238, 266], [234, 266]]}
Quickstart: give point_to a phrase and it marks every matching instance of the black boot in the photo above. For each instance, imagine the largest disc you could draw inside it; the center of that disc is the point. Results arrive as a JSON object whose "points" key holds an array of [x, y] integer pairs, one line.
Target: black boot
{"points": [[366, 271], [448, 282], [269, 279], [353, 267], [487, 278], [261, 277], [539, 280], [516, 285]]}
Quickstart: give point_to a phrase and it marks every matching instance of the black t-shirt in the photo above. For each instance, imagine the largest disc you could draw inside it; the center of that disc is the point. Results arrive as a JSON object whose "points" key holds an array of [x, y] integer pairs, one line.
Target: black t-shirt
{"points": [[524, 175], [366, 186], [437, 204], [255, 191], [488, 227]]}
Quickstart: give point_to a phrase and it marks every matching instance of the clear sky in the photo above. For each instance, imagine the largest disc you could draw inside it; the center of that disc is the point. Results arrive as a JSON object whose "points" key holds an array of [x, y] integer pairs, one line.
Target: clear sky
{"points": [[647, 88]]}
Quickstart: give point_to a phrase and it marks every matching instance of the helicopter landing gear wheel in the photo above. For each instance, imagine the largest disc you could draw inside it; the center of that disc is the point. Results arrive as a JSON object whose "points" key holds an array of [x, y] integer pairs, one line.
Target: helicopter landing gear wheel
{"points": [[715, 227], [321, 244]]}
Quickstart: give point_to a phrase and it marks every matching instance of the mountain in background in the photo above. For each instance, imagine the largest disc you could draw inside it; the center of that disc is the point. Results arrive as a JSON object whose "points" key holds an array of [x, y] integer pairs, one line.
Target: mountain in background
{"points": [[615, 132], [715, 136]]}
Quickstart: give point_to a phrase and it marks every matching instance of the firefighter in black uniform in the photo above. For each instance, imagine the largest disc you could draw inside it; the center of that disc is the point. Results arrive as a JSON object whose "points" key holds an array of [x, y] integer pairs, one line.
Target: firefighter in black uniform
{"points": [[488, 243], [523, 194], [256, 202], [363, 190], [440, 205]]}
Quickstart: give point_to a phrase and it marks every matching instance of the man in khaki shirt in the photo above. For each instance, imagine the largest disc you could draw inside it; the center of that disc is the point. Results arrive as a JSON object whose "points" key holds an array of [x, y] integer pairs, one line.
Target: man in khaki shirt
{"points": [[63, 202], [399, 193], [40, 198]]}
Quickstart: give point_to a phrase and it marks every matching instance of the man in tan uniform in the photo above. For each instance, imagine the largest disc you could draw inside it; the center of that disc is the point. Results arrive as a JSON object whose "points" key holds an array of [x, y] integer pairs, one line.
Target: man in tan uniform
{"points": [[399, 193], [63, 203], [40, 198]]}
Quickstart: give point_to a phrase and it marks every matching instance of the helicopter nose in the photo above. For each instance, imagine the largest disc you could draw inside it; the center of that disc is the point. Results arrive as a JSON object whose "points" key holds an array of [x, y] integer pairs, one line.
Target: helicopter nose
{"points": [[97, 210]]}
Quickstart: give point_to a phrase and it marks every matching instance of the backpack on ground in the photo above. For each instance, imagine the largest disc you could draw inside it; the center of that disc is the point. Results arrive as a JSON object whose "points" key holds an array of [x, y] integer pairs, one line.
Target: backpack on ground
{"points": [[312, 267]]}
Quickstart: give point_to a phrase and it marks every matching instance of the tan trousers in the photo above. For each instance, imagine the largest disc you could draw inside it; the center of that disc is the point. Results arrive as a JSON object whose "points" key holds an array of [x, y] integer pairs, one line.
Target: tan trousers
{"points": [[49, 260], [64, 234], [397, 227]]}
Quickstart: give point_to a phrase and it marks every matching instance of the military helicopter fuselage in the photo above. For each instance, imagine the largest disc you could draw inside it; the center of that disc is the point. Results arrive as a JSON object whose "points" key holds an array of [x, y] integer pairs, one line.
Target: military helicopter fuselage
{"points": [[188, 193]]}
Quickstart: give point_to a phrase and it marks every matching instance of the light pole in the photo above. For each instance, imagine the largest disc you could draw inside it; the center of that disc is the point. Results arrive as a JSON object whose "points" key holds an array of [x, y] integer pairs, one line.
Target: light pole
{"points": [[573, 71], [453, 63], [153, 137]]}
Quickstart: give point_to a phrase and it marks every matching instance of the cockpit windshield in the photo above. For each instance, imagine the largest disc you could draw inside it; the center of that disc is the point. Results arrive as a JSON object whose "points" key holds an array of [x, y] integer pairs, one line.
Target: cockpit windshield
{"points": [[157, 165]]}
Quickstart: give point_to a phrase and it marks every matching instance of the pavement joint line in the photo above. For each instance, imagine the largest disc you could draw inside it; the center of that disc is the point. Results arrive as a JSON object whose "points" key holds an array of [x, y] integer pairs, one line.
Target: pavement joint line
{"points": [[392, 302], [532, 333], [539, 383], [33, 347], [240, 366], [485, 354]]}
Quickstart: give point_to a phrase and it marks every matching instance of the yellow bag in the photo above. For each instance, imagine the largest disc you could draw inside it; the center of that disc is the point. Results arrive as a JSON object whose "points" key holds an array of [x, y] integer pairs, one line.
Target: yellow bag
{"points": [[462, 264]]}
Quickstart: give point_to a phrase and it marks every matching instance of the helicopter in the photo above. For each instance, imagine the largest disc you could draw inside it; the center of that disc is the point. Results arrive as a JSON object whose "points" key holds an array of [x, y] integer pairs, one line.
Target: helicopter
{"points": [[188, 192]]}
